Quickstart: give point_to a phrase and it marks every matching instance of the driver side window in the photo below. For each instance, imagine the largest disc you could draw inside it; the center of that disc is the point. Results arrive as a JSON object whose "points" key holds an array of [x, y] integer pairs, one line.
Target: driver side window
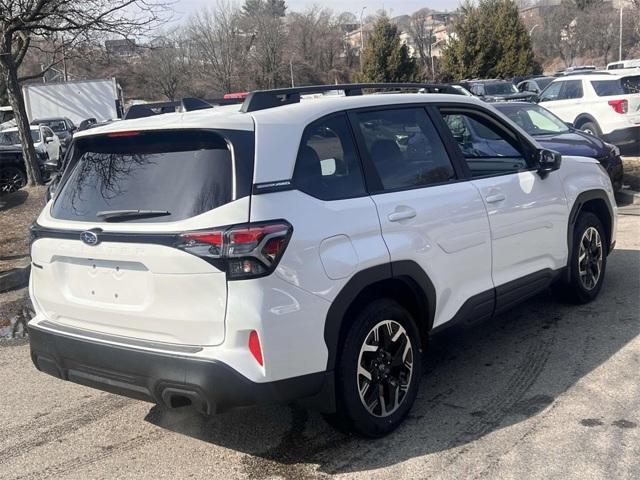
{"points": [[551, 93], [487, 149]]}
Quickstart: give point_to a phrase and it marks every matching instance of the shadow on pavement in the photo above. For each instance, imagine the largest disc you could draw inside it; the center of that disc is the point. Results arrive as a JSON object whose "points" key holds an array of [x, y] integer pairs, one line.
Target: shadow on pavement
{"points": [[476, 382]]}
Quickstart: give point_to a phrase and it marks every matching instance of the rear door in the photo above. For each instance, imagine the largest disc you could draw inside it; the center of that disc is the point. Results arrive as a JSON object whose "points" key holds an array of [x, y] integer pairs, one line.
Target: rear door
{"points": [[565, 99], [428, 213], [528, 214], [105, 255]]}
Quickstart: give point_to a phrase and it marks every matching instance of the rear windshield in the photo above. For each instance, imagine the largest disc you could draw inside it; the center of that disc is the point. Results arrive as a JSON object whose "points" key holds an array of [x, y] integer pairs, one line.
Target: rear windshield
{"points": [[619, 86], [170, 176], [502, 88]]}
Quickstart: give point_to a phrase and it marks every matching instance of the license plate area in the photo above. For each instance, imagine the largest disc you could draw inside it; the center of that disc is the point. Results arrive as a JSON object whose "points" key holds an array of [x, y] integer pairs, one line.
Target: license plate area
{"points": [[105, 282]]}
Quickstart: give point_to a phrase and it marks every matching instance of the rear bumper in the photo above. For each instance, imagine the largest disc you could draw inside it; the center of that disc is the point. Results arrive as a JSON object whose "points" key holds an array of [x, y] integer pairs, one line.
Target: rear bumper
{"points": [[168, 379], [627, 139]]}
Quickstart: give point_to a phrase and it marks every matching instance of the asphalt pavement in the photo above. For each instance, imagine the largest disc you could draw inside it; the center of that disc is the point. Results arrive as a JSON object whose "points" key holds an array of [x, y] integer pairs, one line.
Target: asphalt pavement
{"points": [[546, 391]]}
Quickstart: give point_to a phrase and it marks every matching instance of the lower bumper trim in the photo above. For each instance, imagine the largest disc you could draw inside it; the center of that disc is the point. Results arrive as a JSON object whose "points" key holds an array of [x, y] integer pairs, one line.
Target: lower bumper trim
{"points": [[167, 379]]}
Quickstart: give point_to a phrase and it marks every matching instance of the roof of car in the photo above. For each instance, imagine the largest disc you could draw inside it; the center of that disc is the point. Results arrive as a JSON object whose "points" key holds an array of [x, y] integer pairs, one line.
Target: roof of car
{"points": [[293, 115], [589, 76]]}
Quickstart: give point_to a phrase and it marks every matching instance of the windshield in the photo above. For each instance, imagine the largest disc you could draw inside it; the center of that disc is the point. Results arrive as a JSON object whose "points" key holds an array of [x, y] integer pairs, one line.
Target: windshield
{"points": [[181, 174], [502, 88], [55, 125], [535, 120], [12, 137]]}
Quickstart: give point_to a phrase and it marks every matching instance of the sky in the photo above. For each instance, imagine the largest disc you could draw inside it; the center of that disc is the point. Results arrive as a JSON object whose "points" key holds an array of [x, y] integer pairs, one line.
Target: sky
{"points": [[396, 7]]}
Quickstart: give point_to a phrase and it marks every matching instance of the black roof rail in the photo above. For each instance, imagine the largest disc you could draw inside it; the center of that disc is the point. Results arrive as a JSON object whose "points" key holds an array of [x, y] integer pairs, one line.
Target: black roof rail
{"points": [[188, 104], [263, 99]]}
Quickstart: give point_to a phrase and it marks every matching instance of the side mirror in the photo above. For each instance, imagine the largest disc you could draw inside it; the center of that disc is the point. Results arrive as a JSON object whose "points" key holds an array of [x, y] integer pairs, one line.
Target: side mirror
{"points": [[48, 138], [569, 124], [548, 161], [535, 98]]}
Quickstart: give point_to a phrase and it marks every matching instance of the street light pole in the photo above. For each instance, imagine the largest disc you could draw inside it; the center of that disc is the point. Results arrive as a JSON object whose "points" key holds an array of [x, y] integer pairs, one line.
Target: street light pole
{"points": [[620, 44], [362, 30]]}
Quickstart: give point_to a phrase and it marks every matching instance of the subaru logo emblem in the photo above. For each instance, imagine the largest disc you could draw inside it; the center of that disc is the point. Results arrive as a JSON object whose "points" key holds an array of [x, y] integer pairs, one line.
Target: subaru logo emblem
{"points": [[89, 237]]}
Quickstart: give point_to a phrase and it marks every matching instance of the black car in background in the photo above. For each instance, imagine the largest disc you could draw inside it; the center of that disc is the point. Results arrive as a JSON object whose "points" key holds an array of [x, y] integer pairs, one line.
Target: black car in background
{"points": [[63, 127], [496, 91], [535, 84], [552, 133]]}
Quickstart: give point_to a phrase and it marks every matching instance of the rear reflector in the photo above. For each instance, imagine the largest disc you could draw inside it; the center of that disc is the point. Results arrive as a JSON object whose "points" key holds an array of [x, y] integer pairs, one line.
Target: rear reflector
{"points": [[255, 348], [620, 106]]}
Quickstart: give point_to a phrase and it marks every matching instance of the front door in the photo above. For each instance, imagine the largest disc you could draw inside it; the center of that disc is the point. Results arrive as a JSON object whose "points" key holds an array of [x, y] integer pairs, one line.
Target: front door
{"points": [[429, 215], [527, 213]]}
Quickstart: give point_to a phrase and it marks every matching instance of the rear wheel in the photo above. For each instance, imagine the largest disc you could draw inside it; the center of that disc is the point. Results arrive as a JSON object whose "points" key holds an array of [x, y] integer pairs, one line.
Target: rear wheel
{"points": [[591, 128], [379, 370], [588, 258], [12, 179]]}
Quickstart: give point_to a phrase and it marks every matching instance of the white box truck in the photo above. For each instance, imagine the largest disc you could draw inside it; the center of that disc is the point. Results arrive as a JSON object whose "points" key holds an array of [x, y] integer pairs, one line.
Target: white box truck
{"points": [[77, 100]]}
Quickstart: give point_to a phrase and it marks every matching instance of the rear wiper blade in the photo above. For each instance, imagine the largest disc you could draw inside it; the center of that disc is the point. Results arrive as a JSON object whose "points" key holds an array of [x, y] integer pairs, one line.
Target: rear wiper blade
{"points": [[114, 215]]}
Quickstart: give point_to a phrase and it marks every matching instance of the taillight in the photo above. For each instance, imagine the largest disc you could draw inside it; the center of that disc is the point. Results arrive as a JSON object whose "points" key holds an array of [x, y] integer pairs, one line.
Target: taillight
{"points": [[620, 106], [243, 251]]}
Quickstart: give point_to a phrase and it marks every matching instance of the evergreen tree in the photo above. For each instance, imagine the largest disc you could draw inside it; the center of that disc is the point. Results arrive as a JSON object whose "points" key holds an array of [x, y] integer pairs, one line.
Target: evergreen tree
{"points": [[489, 40], [384, 58]]}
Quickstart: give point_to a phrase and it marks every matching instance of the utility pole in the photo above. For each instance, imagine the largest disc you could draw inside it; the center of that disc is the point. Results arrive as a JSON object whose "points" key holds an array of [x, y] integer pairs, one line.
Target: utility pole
{"points": [[291, 71], [620, 44], [361, 35]]}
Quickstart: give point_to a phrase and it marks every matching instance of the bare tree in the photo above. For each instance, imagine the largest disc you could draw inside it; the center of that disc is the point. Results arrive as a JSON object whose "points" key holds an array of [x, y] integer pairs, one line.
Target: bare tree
{"points": [[315, 45], [262, 22], [168, 65], [217, 40], [60, 24], [422, 31]]}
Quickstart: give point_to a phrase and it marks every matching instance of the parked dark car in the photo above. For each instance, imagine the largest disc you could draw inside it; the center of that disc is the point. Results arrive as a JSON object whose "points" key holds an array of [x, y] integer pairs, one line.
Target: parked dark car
{"points": [[534, 85], [496, 91], [63, 127], [554, 134], [13, 175]]}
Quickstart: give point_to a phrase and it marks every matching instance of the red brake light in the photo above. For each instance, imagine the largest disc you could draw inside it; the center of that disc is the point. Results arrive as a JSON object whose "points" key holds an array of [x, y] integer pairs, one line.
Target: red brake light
{"points": [[255, 348], [123, 134], [620, 106], [212, 238]]}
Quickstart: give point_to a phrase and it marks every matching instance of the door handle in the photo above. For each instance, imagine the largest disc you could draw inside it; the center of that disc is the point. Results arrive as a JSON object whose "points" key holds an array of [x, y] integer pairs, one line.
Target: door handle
{"points": [[496, 197], [401, 213]]}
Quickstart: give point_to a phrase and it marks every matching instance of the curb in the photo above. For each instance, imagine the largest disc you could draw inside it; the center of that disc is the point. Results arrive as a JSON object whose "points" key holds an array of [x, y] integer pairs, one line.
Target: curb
{"points": [[15, 278]]}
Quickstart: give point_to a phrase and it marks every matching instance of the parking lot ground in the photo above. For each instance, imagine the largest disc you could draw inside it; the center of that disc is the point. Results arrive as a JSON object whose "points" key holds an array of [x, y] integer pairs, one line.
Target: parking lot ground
{"points": [[547, 391]]}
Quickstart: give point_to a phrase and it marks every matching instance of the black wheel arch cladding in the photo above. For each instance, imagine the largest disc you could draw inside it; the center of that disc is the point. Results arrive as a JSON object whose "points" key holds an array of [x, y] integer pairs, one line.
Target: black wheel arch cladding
{"points": [[406, 273]]}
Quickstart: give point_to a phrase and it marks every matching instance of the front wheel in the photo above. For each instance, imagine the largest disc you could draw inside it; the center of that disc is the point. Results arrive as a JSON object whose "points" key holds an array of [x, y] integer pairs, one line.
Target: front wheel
{"points": [[592, 129], [588, 258], [379, 369]]}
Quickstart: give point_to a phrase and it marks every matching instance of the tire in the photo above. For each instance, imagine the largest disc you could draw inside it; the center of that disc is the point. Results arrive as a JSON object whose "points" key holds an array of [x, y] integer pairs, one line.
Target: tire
{"points": [[12, 179], [591, 128], [392, 367], [588, 260]]}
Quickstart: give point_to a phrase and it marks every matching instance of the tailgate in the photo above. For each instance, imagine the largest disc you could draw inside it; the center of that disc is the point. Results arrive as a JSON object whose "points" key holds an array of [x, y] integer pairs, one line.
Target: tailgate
{"points": [[135, 290]]}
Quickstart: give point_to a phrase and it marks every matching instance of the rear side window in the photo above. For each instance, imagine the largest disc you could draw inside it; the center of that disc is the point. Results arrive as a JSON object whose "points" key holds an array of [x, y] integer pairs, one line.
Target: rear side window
{"points": [[174, 175], [328, 166], [405, 148], [624, 86]]}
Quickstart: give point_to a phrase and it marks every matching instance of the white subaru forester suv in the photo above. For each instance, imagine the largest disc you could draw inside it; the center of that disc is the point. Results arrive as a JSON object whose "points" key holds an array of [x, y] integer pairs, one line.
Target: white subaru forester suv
{"points": [[301, 249]]}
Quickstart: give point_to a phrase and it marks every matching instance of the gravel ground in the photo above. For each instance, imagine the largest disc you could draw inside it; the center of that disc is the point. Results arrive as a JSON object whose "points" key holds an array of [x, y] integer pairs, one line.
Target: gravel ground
{"points": [[17, 211], [547, 391], [631, 167]]}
